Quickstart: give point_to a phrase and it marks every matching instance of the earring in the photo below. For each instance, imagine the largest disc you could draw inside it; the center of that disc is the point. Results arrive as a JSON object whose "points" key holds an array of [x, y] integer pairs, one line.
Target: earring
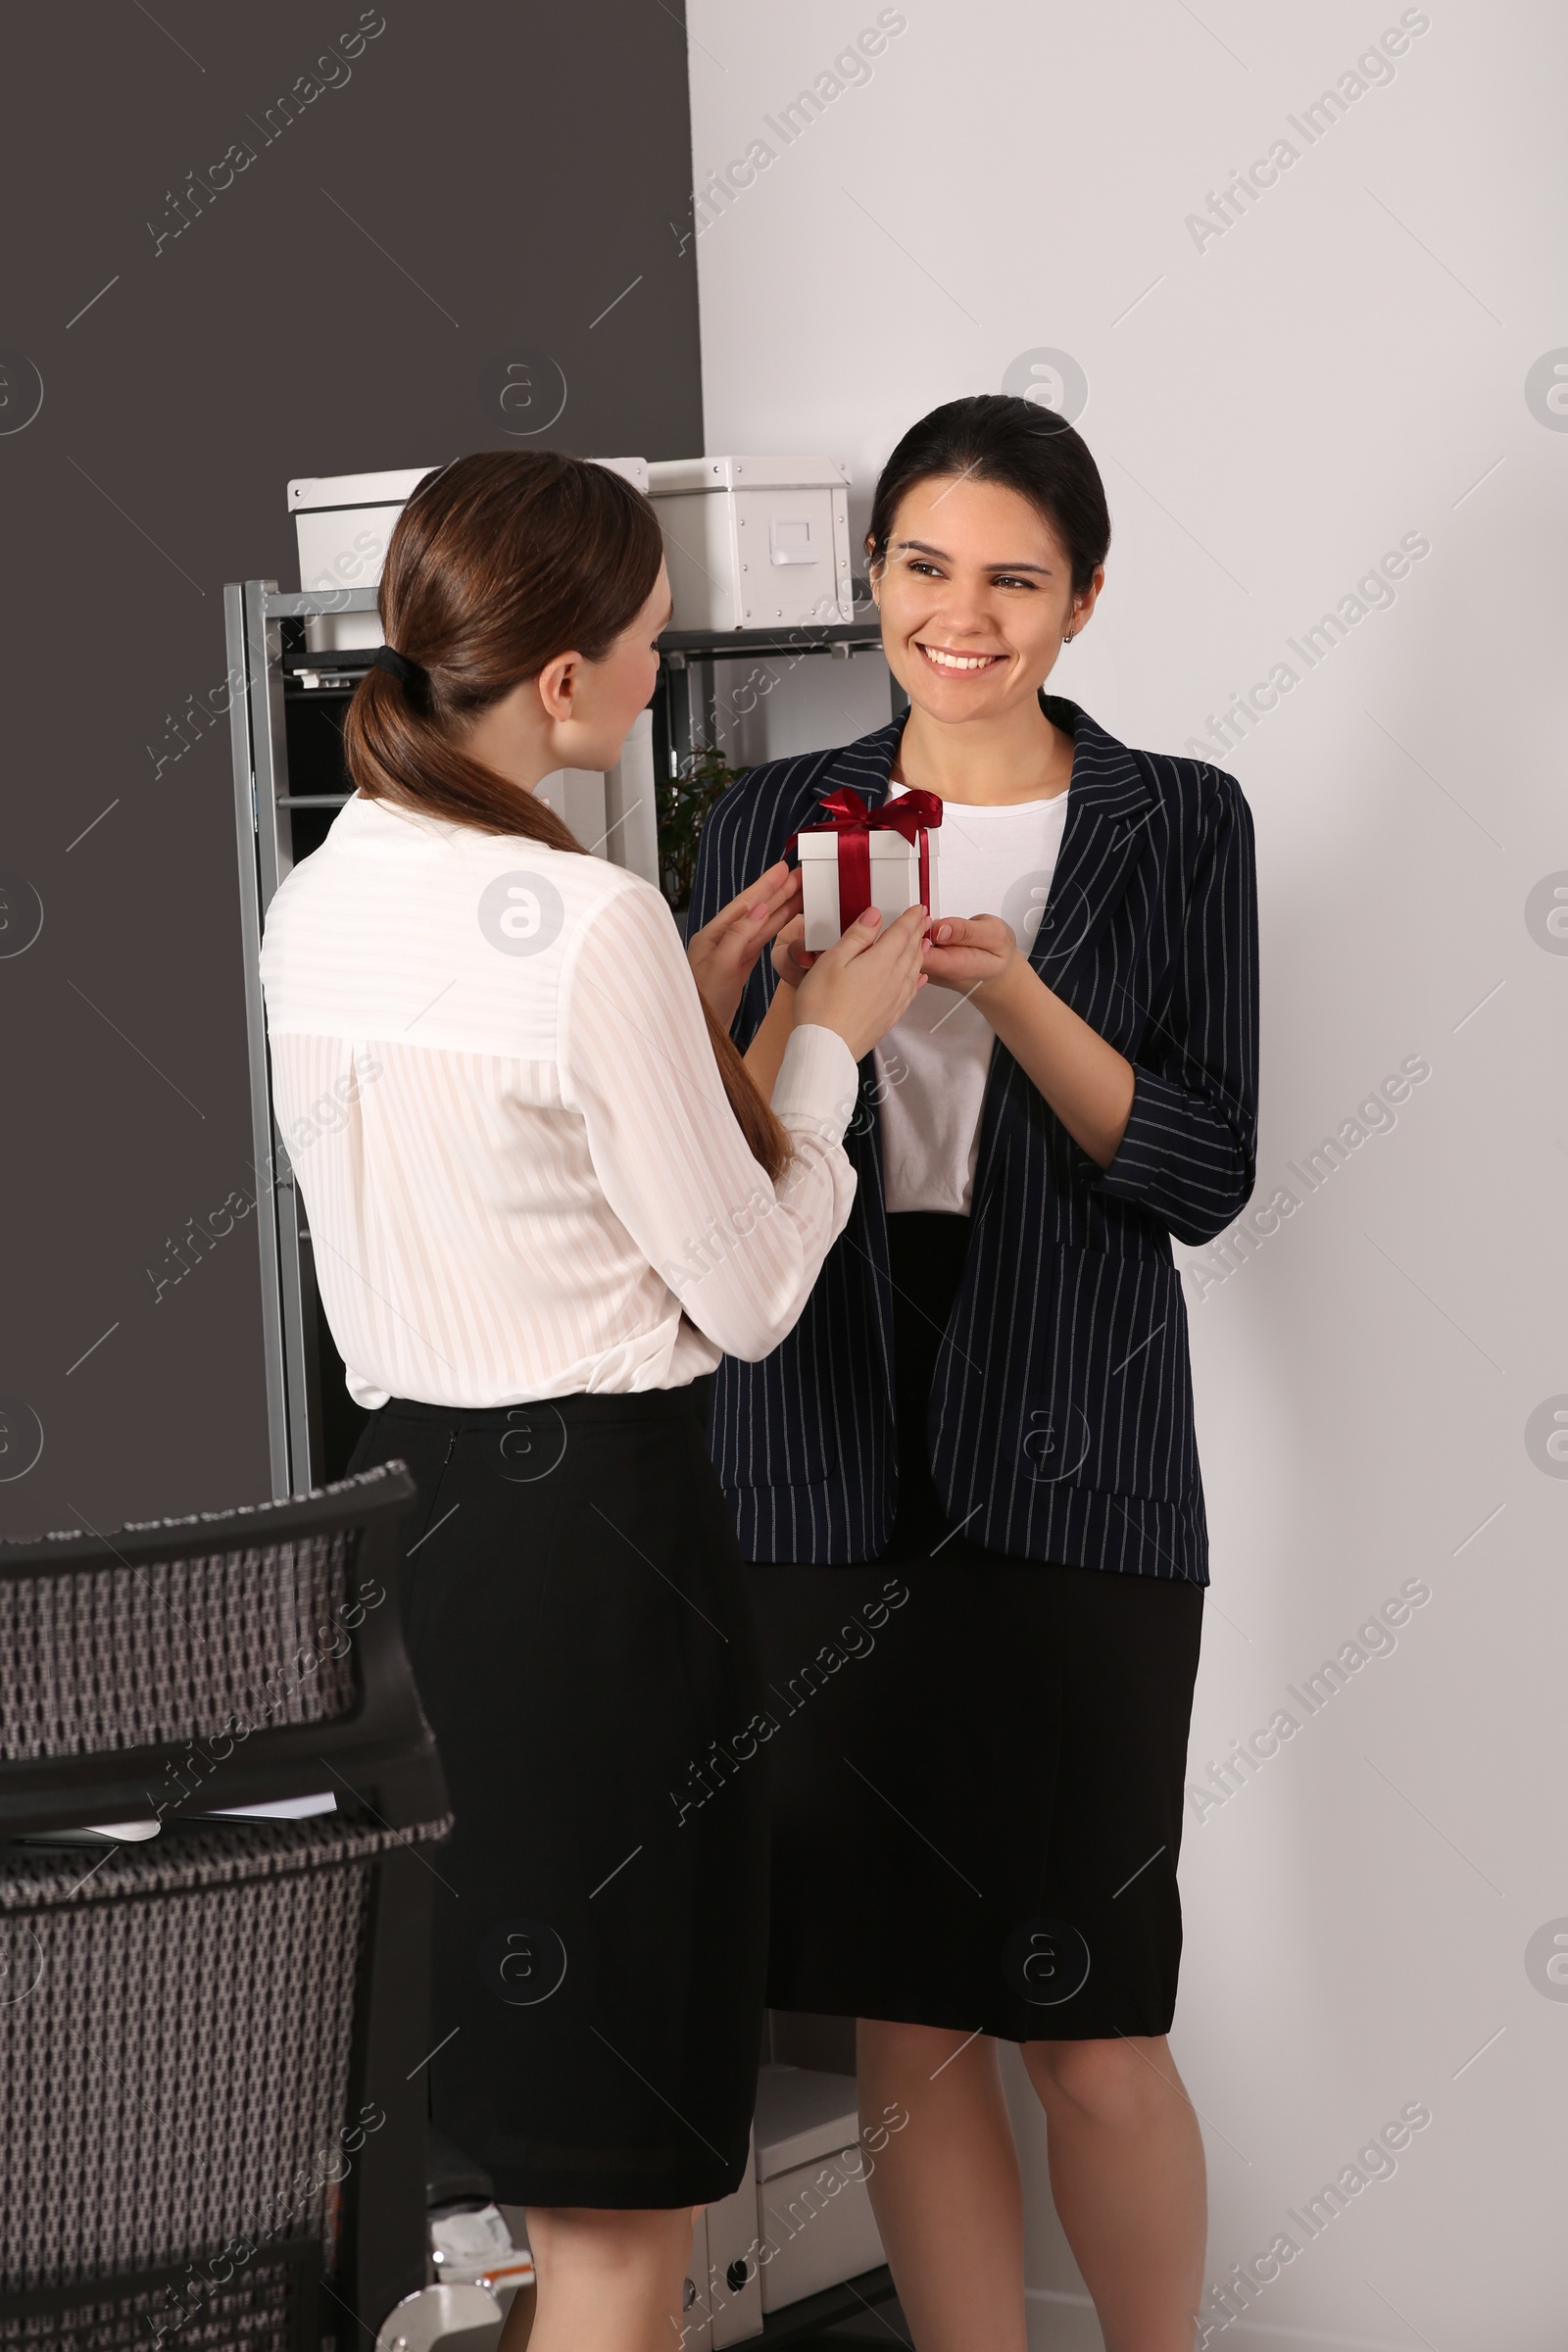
{"points": [[1067, 640]]}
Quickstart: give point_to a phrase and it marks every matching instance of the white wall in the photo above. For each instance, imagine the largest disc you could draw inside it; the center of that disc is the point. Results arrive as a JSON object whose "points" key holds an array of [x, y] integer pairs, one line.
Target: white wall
{"points": [[1273, 410]]}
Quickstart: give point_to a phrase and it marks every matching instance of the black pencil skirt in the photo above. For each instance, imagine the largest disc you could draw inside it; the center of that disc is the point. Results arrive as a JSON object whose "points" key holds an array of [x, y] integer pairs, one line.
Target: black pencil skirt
{"points": [[578, 1624], [977, 1773]]}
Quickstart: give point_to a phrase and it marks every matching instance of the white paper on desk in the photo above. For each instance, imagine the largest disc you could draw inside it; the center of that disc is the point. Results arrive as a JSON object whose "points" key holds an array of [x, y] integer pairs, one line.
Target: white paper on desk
{"points": [[134, 1832], [279, 1808]]}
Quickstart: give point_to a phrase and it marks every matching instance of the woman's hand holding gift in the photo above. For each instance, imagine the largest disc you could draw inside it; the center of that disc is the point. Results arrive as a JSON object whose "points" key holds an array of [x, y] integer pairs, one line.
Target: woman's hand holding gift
{"points": [[791, 960], [971, 954], [722, 953]]}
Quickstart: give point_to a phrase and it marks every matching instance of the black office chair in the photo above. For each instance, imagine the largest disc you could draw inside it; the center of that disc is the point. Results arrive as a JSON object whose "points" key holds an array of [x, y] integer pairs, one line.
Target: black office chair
{"points": [[213, 2041]]}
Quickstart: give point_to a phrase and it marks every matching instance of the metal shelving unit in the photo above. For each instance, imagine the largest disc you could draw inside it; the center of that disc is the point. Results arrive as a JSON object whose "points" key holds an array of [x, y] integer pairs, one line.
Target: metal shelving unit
{"points": [[686, 702], [254, 617]]}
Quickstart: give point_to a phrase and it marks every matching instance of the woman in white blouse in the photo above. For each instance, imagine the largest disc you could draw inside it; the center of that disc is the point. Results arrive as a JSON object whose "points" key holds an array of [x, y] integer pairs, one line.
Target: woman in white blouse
{"points": [[558, 1197]]}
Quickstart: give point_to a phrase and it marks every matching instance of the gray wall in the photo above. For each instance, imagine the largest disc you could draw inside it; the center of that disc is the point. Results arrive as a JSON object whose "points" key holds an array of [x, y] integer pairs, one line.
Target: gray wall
{"points": [[509, 171]]}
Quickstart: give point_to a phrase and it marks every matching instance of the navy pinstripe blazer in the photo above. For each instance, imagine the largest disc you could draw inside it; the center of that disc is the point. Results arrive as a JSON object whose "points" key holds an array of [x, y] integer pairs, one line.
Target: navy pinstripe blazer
{"points": [[1062, 1409]]}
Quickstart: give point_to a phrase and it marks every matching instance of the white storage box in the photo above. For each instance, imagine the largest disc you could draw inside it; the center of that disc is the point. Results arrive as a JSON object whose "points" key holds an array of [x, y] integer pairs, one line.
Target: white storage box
{"points": [[755, 543], [814, 2210], [894, 880], [724, 2285], [343, 523]]}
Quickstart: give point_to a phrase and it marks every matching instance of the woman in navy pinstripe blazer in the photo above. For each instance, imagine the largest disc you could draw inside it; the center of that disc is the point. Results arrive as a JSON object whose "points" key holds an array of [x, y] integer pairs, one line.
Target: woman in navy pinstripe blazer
{"points": [[968, 1480]]}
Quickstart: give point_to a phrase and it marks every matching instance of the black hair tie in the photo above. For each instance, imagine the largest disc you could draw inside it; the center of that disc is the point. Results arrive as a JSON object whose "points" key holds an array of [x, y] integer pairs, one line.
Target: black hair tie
{"points": [[407, 672]]}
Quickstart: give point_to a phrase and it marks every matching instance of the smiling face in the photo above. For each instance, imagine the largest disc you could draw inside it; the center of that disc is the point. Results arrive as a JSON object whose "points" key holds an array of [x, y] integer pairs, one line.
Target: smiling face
{"points": [[976, 596]]}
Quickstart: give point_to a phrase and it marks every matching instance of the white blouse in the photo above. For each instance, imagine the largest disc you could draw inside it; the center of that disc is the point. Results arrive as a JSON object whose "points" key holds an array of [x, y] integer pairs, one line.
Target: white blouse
{"points": [[522, 1172]]}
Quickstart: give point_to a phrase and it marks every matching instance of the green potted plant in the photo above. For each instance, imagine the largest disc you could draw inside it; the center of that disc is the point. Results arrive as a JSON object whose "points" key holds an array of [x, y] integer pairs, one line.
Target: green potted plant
{"points": [[682, 802]]}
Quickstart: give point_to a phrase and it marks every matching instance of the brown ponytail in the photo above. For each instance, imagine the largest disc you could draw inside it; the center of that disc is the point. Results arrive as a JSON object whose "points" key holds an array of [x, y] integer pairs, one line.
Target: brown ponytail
{"points": [[498, 562]]}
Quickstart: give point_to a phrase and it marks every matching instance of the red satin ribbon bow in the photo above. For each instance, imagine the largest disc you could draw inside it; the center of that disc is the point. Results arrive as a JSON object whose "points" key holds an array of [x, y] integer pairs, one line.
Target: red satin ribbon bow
{"points": [[913, 814]]}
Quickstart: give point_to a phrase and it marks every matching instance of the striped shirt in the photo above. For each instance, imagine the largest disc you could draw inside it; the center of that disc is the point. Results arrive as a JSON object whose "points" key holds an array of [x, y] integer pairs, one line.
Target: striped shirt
{"points": [[522, 1172]]}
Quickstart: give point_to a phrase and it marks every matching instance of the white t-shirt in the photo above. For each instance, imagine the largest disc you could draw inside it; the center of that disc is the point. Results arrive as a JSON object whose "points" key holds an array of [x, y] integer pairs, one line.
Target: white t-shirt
{"points": [[932, 1064]]}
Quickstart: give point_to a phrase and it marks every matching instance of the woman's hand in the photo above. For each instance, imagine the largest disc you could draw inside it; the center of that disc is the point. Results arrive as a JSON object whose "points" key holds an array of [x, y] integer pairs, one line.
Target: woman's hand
{"points": [[971, 953], [862, 985], [722, 953], [791, 960], [1087, 1083]]}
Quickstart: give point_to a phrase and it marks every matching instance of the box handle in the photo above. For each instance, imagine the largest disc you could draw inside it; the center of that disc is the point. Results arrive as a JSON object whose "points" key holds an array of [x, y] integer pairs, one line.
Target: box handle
{"points": [[789, 539]]}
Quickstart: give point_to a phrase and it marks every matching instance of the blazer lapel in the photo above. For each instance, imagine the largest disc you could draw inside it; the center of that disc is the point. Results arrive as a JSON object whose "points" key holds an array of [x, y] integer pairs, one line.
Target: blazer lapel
{"points": [[1107, 828], [864, 764]]}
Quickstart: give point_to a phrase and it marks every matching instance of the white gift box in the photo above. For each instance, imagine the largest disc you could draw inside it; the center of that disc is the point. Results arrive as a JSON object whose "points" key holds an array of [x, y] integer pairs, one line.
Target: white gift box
{"points": [[895, 879]]}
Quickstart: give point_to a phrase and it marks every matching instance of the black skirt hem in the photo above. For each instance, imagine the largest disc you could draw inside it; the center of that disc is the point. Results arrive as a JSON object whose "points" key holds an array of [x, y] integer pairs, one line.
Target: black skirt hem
{"points": [[616, 2193], [914, 2011]]}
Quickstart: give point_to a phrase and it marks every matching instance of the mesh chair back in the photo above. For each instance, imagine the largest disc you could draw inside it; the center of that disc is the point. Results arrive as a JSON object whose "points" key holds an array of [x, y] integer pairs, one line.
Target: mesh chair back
{"points": [[182, 1665], [207, 2040], [113, 1655]]}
